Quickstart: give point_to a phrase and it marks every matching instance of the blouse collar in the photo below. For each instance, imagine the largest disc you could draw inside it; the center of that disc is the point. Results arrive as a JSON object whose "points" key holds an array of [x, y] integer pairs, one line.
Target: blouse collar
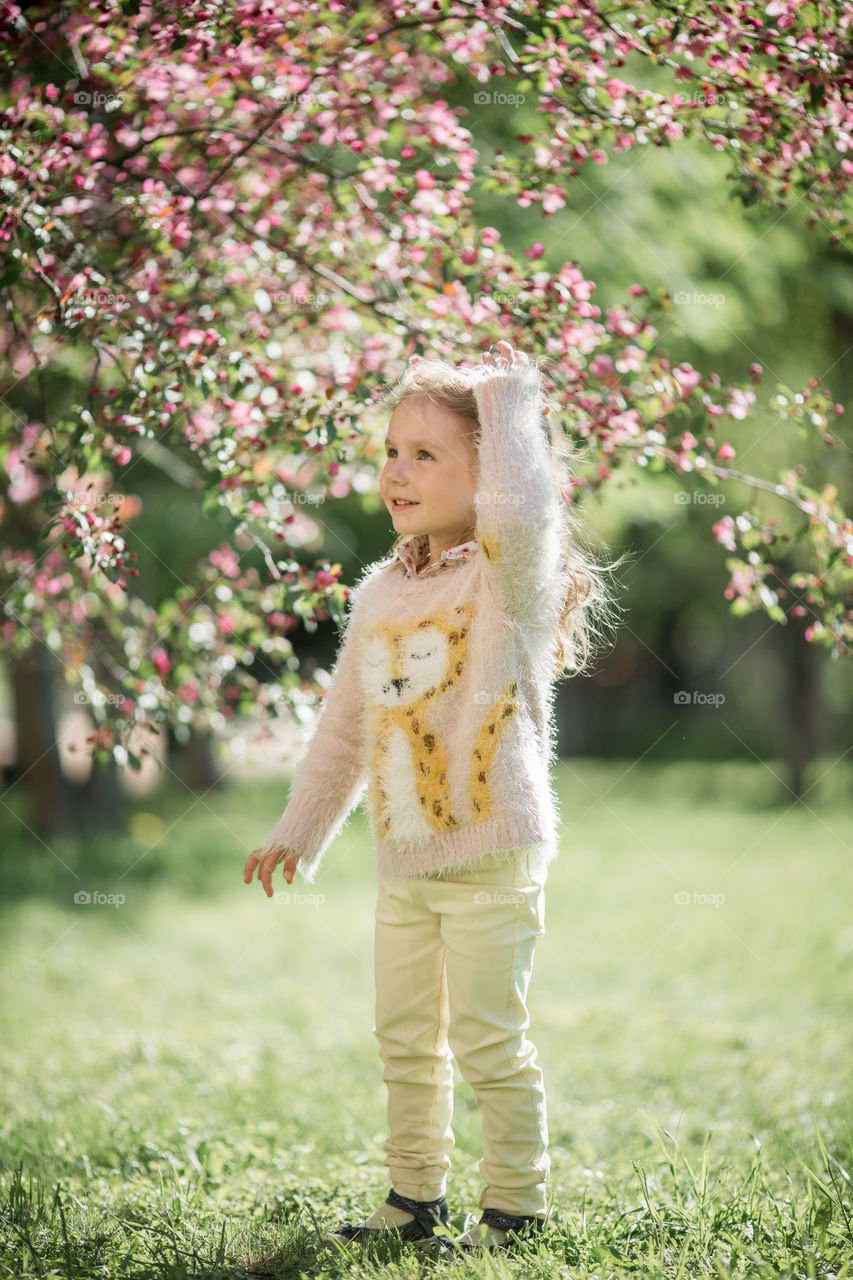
{"points": [[413, 552]]}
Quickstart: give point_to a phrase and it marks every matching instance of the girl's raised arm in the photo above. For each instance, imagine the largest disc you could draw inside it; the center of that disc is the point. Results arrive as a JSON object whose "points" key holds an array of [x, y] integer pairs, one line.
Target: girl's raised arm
{"points": [[517, 504]]}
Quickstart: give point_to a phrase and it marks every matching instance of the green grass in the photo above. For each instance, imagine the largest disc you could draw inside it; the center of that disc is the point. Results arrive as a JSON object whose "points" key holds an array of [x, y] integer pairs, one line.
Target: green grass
{"points": [[193, 1088]]}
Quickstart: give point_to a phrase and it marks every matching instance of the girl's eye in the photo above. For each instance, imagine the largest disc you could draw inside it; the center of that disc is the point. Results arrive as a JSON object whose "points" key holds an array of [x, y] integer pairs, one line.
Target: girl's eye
{"points": [[420, 451]]}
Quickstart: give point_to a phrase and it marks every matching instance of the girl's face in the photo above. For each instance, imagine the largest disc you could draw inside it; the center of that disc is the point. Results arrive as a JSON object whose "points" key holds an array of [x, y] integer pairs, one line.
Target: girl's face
{"points": [[429, 461]]}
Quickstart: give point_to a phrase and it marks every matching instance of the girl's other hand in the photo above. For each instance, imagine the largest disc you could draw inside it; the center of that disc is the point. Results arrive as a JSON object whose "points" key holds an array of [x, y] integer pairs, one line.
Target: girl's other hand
{"points": [[266, 863], [503, 354]]}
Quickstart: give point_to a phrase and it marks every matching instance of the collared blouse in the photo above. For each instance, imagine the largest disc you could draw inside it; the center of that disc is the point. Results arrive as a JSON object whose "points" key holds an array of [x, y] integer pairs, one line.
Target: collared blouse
{"points": [[414, 554]]}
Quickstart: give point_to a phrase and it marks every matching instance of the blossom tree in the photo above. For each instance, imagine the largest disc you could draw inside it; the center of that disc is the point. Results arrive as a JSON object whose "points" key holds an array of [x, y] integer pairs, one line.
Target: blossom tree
{"points": [[228, 227]]}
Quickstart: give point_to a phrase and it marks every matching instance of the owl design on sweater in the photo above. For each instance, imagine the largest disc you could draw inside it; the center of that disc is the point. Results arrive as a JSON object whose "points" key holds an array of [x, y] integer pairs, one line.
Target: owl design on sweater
{"points": [[405, 666]]}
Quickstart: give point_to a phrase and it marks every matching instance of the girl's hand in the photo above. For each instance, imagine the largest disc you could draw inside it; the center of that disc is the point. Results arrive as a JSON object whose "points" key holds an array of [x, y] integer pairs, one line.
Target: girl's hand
{"points": [[504, 356], [266, 863]]}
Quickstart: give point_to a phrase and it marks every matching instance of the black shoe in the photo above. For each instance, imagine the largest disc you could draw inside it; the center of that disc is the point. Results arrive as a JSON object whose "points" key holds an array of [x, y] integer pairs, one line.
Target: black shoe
{"points": [[519, 1227], [428, 1214]]}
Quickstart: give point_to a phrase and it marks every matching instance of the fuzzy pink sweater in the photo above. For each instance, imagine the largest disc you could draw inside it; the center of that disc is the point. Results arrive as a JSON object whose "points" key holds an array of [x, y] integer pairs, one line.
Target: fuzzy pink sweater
{"points": [[441, 700]]}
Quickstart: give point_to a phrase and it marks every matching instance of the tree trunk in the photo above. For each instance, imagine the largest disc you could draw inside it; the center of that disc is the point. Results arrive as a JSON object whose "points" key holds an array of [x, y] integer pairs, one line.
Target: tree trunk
{"points": [[50, 804], [55, 805], [193, 762], [801, 705]]}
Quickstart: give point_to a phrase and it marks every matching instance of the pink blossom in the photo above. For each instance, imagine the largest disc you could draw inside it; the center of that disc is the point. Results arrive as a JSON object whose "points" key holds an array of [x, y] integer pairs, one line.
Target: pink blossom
{"points": [[553, 200], [686, 377], [190, 337], [226, 560], [624, 426], [189, 691], [724, 532], [582, 289], [631, 359], [341, 318], [161, 661], [740, 403], [620, 321]]}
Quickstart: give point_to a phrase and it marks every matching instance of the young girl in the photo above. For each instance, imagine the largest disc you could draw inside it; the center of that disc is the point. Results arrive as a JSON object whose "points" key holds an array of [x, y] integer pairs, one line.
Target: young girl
{"points": [[441, 701]]}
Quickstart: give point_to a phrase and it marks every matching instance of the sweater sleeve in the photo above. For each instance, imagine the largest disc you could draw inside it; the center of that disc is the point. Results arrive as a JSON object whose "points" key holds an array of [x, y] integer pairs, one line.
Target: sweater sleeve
{"points": [[329, 780], [517, 505]]}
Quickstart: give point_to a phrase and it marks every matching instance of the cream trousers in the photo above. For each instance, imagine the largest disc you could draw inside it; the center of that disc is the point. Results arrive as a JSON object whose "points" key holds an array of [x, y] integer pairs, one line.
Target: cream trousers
{"points": [[453, 959]]}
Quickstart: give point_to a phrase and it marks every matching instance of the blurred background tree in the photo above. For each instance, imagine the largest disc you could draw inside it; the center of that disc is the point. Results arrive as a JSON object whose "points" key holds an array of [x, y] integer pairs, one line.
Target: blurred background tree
{"points": [[745, 277]]}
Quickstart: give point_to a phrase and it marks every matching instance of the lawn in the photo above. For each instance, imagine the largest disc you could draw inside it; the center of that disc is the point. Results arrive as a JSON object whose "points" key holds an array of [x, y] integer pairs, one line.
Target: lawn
{"points": [[192, 1086]]}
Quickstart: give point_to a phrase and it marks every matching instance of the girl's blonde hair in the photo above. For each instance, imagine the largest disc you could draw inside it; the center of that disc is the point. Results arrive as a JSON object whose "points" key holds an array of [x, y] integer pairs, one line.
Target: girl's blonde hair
{"points": [[589, 609]]}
